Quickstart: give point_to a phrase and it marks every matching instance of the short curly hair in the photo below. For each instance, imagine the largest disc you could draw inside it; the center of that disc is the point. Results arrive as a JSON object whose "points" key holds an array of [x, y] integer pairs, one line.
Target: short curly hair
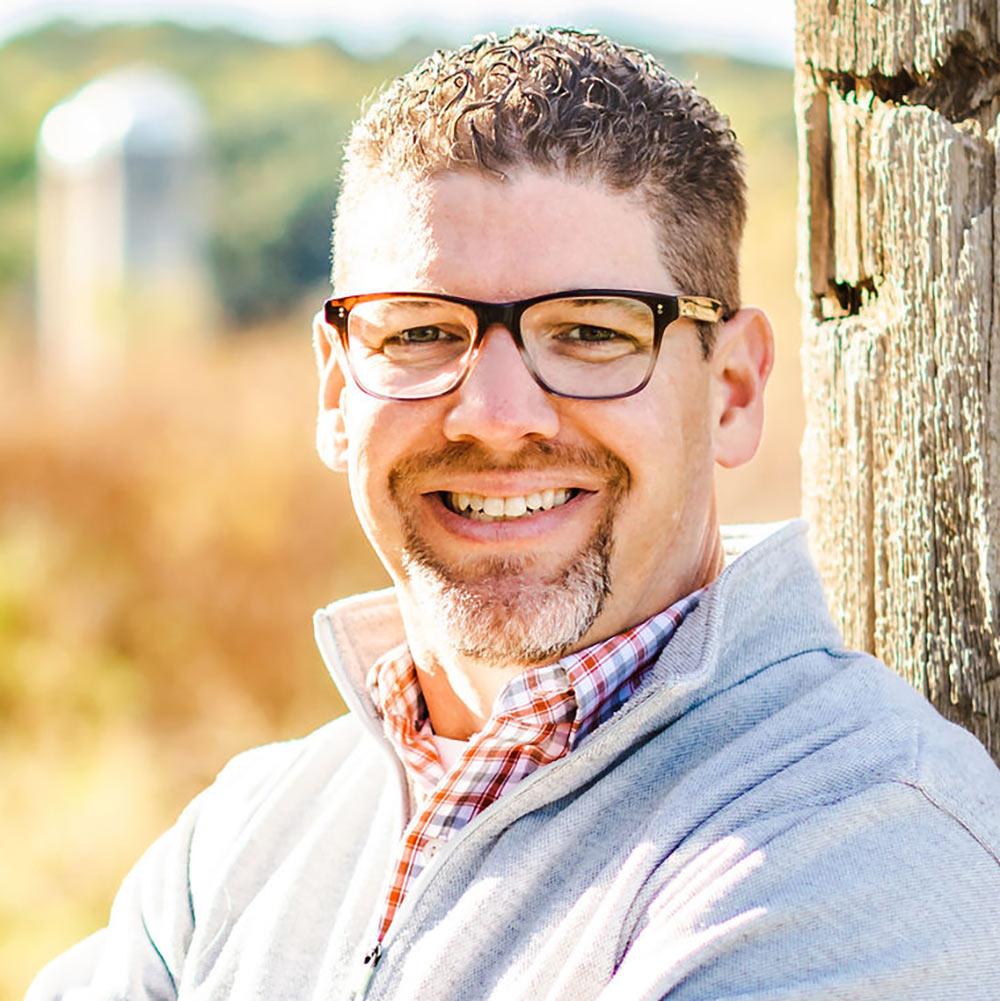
{"points": [[560, 100]]}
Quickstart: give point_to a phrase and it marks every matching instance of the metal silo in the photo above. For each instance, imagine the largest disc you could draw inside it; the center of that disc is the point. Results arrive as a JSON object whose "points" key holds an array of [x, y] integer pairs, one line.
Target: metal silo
{"points": [[121, 225]]}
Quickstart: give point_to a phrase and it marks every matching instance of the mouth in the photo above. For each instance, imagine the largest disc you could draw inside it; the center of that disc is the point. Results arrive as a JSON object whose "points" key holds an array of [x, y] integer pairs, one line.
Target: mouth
{"points": [[478, 507]]}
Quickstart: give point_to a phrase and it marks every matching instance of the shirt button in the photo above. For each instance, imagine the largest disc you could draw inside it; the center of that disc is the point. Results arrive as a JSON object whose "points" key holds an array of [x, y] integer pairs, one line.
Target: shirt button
{"points": [[433, 846]]}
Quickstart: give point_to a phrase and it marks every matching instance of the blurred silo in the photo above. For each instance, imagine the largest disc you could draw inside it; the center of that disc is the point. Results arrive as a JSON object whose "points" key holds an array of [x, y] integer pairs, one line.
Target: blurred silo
{"points": [[121, 234]]}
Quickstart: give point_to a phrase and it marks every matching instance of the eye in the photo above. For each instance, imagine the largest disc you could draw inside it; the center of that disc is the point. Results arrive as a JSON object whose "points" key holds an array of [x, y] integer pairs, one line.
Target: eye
{"points": [[589, 334], [420, 335], [423, 344]]}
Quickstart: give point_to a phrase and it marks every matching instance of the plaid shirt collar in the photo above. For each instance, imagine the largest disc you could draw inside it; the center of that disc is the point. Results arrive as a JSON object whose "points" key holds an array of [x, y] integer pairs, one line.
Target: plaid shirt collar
{"points": [[539, 716]]}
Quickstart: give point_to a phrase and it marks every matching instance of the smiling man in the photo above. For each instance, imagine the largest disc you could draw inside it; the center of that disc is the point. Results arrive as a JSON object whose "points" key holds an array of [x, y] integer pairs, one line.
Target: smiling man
{"points": [[585, 757], [533, 466]]}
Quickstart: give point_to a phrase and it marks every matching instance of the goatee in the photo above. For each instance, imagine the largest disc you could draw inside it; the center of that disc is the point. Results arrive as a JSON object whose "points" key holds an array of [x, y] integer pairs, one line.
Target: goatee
{"points": [[493, 609]]}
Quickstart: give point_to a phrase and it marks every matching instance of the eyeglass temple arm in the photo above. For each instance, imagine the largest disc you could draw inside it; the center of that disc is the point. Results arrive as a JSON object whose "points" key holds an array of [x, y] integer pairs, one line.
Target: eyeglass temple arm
{"points": [[699, 307]]}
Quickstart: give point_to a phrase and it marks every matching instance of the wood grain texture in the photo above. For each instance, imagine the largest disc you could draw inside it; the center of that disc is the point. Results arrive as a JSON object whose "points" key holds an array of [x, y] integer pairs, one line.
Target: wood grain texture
{"points": [[889, 37], [899, 253]]}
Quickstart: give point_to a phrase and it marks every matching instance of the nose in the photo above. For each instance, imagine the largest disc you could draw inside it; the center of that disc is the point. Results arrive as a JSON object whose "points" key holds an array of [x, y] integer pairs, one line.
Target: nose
{"points": [[500, 404]]}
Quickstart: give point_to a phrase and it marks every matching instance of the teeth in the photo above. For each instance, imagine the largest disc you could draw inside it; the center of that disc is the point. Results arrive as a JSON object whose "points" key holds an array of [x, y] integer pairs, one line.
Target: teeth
{"points": [[514, 507], [481, 508], [493, 506]]}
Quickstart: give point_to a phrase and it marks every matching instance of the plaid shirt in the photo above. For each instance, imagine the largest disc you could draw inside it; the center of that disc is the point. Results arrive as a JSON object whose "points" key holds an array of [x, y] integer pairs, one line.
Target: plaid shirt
{"points": [[541, 715]]}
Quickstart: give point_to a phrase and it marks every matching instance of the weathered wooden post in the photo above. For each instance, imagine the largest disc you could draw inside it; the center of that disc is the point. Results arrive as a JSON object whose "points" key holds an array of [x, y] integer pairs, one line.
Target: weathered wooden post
{"points": [[899, 273]]}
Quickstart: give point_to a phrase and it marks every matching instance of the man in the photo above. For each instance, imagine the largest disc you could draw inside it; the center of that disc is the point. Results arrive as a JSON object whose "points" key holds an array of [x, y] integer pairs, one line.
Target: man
{"points": [[583, 760]]}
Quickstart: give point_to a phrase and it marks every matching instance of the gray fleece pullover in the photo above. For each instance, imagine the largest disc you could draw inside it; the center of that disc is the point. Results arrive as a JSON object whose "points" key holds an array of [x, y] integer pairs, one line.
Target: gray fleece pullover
{"points": [[770, 816]]}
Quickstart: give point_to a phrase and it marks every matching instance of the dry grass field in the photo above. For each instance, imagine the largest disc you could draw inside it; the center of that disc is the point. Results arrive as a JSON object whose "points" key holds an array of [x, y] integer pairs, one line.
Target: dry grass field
{"points": [[163, 542]]}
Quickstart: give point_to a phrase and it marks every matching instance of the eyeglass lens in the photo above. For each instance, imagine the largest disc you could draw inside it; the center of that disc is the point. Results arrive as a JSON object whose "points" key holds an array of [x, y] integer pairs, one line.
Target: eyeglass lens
{"points": [[410, 348]]}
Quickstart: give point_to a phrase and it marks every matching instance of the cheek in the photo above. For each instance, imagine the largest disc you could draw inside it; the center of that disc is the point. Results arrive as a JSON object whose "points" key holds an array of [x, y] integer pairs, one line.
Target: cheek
{"points": [[687, 403], [380, 433], [692, 449], [369, 436], [671, 452]]}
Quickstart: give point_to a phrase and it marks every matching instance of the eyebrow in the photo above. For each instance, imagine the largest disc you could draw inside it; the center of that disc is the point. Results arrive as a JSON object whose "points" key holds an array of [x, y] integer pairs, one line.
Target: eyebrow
{"points": [[411, 303], [633, 305], [387, 307]]}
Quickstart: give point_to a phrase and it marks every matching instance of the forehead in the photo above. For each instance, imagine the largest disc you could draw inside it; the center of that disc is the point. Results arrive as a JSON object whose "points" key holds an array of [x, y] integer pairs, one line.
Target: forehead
{"points": [[472, 235]]}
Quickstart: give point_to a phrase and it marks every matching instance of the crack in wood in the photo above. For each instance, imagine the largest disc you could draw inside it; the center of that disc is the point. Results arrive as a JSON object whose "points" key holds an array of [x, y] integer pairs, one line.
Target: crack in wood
{"points": [[964, 84], [843, 299], [853, 297]]}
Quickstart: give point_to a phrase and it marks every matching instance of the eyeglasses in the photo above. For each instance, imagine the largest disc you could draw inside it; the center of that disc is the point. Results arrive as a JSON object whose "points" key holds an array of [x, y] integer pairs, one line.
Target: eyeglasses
{"points": [[587, 344]]}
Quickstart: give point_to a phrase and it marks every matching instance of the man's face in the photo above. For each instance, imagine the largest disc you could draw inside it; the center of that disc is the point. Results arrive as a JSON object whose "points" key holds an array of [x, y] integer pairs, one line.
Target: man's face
{"points": [[625, 486]]}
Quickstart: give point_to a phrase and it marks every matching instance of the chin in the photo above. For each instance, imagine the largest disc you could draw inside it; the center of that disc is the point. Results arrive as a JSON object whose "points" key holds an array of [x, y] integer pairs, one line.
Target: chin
{"points": [[501, 611]]}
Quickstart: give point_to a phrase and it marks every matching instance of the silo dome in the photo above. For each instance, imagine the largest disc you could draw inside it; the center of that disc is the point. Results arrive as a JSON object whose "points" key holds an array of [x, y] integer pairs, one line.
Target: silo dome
{"points": [[134, 111], [122, 219]]}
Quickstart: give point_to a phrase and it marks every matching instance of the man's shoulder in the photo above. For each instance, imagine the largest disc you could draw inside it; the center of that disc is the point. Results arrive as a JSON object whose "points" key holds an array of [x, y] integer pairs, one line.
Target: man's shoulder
{"points": [[259, 768], [782, 660], [950, 770], [297, 769], [266, 797], [894, 736], [824, 785], [825, 725]]}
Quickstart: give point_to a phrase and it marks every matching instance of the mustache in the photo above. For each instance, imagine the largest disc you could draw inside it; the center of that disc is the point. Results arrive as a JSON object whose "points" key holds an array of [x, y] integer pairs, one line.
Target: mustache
{"points": [[472, 457]]}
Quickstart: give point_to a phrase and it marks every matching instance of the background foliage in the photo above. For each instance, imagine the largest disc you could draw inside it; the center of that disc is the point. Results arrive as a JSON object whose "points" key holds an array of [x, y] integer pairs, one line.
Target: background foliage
{"points": [[164, 536]]}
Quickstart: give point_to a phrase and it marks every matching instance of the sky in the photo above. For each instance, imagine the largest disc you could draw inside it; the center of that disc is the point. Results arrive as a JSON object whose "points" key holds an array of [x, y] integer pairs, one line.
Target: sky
{"points": [[758, 30]]}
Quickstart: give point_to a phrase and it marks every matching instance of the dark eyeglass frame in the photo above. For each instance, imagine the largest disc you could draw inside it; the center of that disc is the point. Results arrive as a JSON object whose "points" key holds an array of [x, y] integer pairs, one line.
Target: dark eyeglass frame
{"points": [[665, 309]]}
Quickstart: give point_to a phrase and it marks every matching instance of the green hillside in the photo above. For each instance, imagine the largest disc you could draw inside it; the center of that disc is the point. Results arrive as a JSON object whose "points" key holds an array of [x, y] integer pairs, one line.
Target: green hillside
{"points": [[277, 116]]}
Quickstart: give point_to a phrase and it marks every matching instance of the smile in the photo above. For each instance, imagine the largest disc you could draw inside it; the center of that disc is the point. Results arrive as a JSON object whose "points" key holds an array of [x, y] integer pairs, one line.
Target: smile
{"points": [[477, 507]]}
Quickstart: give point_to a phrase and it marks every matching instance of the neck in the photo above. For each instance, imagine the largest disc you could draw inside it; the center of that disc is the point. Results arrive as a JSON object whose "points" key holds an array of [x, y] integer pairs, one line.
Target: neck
{"points": [[459, 692], [711, 562]]}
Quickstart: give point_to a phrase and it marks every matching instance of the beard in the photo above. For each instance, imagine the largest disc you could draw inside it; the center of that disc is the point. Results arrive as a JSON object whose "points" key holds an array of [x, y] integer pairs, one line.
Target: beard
{"points": [[497, 610]]}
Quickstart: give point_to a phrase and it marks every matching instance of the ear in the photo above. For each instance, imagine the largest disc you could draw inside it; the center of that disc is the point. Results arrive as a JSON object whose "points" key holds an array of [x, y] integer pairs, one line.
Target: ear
{"points": [[741, 361], [331, 433]]}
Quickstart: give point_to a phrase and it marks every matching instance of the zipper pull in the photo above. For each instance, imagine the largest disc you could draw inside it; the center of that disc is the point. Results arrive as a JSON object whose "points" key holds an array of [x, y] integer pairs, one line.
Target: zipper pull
{"points": [[365, 979]]}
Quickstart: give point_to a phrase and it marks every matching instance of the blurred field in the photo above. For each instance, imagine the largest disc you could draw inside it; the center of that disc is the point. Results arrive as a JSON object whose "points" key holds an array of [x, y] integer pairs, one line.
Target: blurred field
{"points": [[162, 546], [166, 535]]}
